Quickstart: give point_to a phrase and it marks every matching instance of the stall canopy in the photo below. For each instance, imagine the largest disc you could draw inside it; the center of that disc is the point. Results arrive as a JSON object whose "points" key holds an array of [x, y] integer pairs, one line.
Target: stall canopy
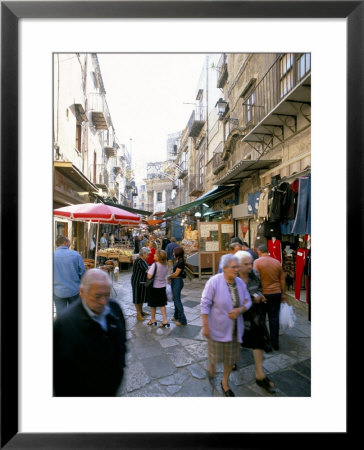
{"points": [[141, 212], [98, 213], [215, 193]]}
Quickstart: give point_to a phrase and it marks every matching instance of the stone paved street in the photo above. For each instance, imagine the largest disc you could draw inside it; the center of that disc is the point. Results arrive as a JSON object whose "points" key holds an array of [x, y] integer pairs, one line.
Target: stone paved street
{"points": [[172, 362]]}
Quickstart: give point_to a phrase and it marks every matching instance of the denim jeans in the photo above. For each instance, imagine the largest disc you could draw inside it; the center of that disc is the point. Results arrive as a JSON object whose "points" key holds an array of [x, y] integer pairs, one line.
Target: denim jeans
{"points": [[272, 308], [63, 303], [177, 285], [302, 223]]}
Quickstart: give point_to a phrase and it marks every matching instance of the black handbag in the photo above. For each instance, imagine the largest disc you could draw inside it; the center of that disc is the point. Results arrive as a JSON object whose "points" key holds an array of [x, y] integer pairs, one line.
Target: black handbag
{"points": [[149, 281]]}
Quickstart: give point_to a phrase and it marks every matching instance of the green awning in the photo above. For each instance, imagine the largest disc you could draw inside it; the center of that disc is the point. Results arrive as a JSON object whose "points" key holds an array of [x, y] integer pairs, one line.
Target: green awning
{"points": [[215, 193], [126, 208]]}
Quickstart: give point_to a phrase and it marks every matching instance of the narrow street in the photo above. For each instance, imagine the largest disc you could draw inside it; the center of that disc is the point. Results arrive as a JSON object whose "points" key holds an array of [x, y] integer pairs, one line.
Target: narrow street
{"points": [[172, 362]]}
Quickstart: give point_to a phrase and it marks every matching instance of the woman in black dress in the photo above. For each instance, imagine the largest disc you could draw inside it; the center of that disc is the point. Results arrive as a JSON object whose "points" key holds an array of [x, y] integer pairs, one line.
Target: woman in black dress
{"points": [[256, 335], [139, 275]]}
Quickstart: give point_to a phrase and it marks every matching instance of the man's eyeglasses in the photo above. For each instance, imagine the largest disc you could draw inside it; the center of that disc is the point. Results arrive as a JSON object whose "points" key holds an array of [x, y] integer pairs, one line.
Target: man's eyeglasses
{"points": [[234, 267]]}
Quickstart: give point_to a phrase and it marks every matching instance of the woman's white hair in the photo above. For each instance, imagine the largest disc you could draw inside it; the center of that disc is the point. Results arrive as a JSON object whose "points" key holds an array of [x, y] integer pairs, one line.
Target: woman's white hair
{"points": [[227, 259], [242, 254], [144, 251]]}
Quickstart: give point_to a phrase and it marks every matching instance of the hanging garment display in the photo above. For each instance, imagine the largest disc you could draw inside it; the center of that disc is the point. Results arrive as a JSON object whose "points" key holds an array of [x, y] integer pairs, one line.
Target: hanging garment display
{"points": [[302, 223], [263, 204], [301, 255], [272, 229], [275, 249], [275, 201], [307, 272], [260, 239], [289, 265], [253, 202]]}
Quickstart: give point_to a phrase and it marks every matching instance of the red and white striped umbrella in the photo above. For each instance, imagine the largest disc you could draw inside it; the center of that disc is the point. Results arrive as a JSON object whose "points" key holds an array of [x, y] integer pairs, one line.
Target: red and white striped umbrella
{"points": [[98, 213]]}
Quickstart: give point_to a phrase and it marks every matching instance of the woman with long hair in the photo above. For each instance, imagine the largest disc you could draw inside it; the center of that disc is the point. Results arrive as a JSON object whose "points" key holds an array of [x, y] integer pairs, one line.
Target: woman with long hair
{"points": [[153, 248], [176, 277], [157, 296]]}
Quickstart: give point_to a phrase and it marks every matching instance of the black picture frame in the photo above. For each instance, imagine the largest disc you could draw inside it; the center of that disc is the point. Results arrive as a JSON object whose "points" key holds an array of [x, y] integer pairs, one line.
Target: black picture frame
{"points": [[11, 12]]}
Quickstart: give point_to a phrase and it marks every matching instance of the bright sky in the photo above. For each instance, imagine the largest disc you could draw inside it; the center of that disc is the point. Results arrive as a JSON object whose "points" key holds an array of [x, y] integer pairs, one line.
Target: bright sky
{"points": [[146, 95]]}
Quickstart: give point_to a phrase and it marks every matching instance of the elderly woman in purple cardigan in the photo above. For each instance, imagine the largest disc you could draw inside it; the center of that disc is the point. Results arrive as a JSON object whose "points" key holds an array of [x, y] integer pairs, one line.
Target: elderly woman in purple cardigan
{"points": [[224, 299]]}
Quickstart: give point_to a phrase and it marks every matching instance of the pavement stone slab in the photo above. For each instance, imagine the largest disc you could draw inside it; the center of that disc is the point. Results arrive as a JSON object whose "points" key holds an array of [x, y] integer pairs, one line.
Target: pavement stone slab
{"points": [[151, 390], [198, 350], [190, 303], [188, 331], [168, 342], [195, 388], [292, 384], [304, 367], [135, 376], [148, 351], [278, 362], [243, 376], [197, 371], [177, 378], [159, 366], [179, 356]]}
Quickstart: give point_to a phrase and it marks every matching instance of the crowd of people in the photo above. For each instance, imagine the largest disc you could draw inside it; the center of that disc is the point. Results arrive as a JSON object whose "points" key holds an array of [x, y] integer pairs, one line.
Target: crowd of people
{"points": [[235, 302]]}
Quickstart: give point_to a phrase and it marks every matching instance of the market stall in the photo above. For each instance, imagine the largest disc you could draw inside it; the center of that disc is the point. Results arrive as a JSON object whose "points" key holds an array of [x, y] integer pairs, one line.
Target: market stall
{"points": [[204, 246]]}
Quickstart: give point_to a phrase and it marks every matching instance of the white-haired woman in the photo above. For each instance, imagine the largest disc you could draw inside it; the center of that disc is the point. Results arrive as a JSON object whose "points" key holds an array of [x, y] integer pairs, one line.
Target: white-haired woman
{"points": [[256, 335], [138, 277], [224, 299]]}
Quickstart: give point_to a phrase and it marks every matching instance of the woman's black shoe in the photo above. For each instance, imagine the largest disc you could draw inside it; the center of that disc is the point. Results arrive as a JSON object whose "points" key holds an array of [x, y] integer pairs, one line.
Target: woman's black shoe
{"points": [[265, 384], [228, 393]]}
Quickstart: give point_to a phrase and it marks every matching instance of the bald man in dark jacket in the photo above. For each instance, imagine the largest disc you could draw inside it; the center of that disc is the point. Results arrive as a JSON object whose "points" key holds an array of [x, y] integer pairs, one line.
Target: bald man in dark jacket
{"points": [[89, 342]]}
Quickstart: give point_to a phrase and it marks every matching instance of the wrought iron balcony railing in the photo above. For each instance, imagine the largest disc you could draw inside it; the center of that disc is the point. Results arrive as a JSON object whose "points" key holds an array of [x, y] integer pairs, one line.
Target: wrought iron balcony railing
{"points": [[217, 162], [196, 121], [284, 75], [99, 110]]}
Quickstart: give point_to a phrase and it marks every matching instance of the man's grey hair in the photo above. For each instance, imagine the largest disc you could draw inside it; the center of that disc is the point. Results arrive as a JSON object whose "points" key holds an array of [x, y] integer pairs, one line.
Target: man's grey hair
{"points": [[144, 251], [227, 259], [242, 255], [92, 276]]}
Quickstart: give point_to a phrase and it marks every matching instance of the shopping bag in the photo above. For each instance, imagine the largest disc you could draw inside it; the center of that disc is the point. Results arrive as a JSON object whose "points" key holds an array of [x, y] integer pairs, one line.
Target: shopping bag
{"points": [[169, 293], [287, 317]]}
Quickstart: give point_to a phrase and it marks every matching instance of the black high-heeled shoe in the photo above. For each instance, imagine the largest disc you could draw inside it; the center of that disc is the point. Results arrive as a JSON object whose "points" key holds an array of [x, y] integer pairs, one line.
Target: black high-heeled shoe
{"points": [[265, 384], [228, 393], [164, 325], [152, 323]]}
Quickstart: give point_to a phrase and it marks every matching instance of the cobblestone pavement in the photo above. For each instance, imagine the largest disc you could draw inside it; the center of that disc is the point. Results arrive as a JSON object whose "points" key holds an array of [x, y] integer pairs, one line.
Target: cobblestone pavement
{"points": [[172, 362]]}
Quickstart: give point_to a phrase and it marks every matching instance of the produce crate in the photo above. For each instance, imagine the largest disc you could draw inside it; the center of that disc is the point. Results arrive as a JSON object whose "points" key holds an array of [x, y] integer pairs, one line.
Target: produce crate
{"points": [[124, 259]]}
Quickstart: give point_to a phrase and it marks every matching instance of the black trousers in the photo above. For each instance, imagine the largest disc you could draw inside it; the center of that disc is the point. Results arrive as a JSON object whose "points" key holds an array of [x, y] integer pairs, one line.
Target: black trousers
{"points": [[272, 308]]}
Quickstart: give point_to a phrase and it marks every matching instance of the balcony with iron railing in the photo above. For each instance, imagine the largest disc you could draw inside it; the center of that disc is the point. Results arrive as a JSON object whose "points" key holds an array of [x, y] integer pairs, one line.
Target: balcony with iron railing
{"points": [[195, 186], [196, 121], [222, 73], [183, 170], [217, 162], [99, 110], [101, 175], [282, 93]]}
